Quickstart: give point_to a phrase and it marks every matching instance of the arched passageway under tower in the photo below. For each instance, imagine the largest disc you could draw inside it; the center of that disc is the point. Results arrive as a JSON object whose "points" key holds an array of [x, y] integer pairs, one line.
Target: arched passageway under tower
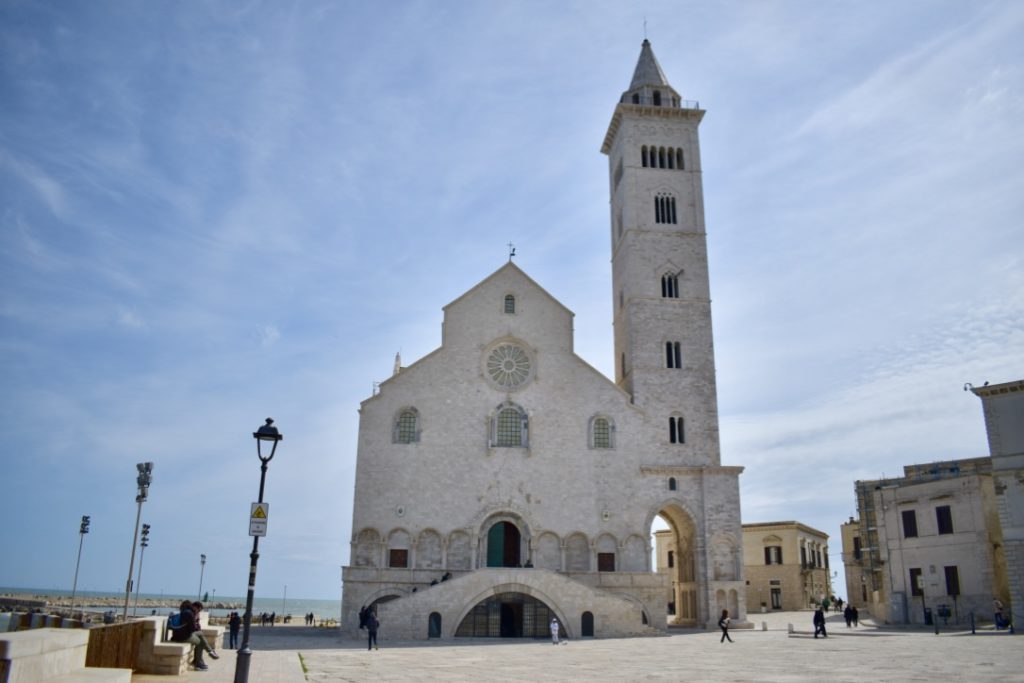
{"points": [[675, 555]]}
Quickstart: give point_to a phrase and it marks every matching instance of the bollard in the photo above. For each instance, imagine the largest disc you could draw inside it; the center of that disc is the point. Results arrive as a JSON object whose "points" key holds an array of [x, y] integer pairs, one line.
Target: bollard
{"points": [[973, 632], [936, 622], [791, 628], [764, 625]]}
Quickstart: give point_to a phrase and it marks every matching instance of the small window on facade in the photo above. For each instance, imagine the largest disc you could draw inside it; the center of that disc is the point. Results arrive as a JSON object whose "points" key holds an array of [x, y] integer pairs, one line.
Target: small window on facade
{"points": [[909, 524], [398, 558], [657, 98], [916, 587], [670, 286], [675, 430], [606, 562], [671, 483], [803, 556], [407, 427], [856, 547], [673, 358], [952, 581], [643, 156], [602, 433], [679, 159], [944, 518], [510, 303], [773, 554], [636, 98], [661, 157], [671, 559]]}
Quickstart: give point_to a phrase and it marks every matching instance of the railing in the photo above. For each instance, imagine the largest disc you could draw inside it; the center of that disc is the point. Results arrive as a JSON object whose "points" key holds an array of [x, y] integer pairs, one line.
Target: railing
{"points": [[666, 102], [115, 646]]}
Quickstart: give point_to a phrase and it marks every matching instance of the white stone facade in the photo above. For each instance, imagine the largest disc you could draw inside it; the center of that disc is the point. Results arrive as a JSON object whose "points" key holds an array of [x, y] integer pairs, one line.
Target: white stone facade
{"points": [[507, 466]]}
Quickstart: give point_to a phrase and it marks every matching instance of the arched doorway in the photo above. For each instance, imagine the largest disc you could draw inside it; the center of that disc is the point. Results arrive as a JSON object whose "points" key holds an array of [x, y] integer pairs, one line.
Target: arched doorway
{"points": [[434, 625], [675, 547], [503, 541], [587, 624], [507, 615]]}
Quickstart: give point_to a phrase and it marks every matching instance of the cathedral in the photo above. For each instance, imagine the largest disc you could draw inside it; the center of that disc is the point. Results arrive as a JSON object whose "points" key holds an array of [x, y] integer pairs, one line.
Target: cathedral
{"points": [[502, 482]]}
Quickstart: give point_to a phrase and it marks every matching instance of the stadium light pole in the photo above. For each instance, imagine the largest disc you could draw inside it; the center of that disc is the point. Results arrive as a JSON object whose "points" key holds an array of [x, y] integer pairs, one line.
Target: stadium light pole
{"points": [[144, 479], [202, 568], [143, 544], [266, 434], [82, 531]]}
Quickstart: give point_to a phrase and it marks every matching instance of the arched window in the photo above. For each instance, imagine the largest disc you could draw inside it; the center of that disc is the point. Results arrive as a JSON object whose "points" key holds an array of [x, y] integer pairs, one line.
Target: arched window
{"points": [[602, 432], [671, 159], [636, 98], [657, 98], [664, 208], [676, 433], [509, 427], [671, 487], [407, 426], [643, 156], [673, 358], [670, 286], [510, 303], [661, 157], [679, 159]]}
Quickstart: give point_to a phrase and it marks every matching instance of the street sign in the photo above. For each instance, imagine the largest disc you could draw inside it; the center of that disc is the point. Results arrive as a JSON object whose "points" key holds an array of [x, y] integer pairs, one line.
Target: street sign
{"points": [[258, 519]]}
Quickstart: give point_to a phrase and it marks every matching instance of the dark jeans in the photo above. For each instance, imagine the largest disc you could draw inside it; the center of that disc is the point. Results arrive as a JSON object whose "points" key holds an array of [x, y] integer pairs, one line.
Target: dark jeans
{"points": [[371, 640], [233, 640], [725, 635]]}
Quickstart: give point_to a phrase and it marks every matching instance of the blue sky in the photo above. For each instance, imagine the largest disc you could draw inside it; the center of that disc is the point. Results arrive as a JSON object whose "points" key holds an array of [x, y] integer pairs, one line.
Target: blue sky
{"points": [[215, 212]]}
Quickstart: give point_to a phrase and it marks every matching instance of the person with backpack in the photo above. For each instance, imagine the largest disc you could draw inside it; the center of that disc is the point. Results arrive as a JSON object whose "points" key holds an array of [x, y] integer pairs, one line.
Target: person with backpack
{"points": [[723, 623], [185, 629], [234, 624]]}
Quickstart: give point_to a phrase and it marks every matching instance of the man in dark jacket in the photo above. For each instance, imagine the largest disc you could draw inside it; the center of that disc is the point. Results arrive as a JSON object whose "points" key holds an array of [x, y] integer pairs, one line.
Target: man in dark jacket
{"points": [[371, 628], [188, 631], [819, 623]]}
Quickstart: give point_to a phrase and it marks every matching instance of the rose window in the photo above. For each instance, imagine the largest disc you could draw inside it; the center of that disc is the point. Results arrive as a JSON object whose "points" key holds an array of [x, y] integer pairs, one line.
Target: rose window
{"points": [[508, 366]]}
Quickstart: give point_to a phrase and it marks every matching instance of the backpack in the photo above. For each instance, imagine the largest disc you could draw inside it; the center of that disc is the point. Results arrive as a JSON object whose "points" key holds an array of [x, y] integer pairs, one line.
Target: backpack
{"points": [[174, 621]]}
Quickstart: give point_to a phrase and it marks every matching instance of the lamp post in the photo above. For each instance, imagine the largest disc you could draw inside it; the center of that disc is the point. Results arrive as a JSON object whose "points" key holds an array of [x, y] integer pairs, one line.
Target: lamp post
{"points": [[143, 544], [143, 480], [82, 531], [202, 568], [266, 434]]}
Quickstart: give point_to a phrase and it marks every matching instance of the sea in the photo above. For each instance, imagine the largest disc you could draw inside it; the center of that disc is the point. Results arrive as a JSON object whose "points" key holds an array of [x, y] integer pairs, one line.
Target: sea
{"points": [[100, 601]]}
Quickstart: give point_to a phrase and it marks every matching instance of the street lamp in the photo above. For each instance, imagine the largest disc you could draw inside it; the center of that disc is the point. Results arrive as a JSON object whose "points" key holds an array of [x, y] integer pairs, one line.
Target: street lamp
{"points": [[82, 531], [143, 544], [266, 434], [202, 568], [143, 480]]}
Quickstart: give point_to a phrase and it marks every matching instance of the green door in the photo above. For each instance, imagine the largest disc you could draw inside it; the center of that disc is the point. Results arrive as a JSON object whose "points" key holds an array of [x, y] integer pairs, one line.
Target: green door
{"points": [[496, 545]]}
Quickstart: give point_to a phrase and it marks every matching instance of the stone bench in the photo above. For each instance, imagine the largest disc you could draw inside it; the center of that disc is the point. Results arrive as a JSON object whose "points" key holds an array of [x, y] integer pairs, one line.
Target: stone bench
{"points": [[52, 655]]}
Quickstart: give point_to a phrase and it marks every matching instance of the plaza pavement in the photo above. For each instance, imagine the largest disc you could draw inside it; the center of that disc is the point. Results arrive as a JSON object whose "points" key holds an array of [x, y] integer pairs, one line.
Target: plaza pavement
{"points": [[867, 653]]}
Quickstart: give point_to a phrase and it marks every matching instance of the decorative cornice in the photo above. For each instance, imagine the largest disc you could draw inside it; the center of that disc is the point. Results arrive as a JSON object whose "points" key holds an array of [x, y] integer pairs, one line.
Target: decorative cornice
{"points": [[691, 469], [623, 108]]}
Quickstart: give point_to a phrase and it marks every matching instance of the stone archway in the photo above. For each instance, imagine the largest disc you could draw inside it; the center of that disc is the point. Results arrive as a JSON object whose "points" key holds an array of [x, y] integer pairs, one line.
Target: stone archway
{"points": [[677, 556]]}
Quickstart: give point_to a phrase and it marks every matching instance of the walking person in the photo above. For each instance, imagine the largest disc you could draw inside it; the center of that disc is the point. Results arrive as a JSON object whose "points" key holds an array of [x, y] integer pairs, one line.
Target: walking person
{"points": [[856, 617], [554, 631], [848, 615], [371, 629], [234, 623], [723, 623], [819, 623]]}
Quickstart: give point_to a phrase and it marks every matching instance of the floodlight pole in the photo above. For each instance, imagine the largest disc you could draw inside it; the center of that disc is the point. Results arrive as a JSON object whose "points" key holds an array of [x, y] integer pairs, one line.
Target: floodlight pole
{"points": [[143, 480], [82, 531]]}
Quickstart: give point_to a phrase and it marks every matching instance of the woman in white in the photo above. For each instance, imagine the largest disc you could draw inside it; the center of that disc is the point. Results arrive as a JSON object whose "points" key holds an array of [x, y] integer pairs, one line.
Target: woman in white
{"points": [[554, 631]]}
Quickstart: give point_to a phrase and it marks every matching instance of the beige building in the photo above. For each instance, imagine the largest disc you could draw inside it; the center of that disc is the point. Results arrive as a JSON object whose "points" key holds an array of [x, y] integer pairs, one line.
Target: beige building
{"points": [[501, 481], [786, 566], [927, 545], [1003, 407]]}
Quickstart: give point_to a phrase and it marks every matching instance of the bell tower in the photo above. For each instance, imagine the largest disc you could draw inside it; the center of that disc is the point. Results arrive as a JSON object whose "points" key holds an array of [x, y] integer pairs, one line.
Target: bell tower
{"points": [[662, 307]]}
